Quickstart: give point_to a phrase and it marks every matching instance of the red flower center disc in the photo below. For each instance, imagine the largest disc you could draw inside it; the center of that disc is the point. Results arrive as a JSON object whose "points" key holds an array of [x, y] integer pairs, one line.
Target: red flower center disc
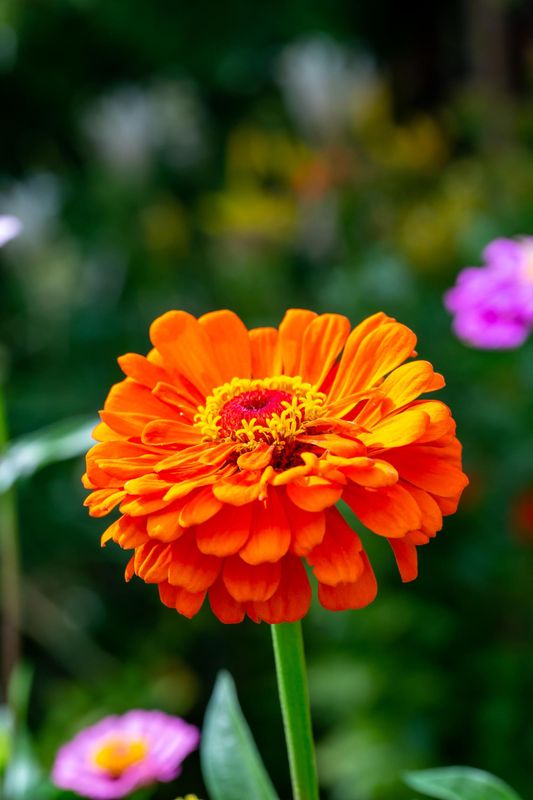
{"points": [[258, 404]]}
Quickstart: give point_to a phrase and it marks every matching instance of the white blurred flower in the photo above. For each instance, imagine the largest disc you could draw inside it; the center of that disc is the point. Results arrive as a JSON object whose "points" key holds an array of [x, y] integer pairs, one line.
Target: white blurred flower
{"points": [[35, 201], [325, 85], [132, 125], [9, 228]]}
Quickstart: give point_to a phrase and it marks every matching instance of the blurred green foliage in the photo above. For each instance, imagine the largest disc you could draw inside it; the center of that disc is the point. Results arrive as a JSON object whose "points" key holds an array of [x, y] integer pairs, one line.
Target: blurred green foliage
{"points": [[344, 156]]}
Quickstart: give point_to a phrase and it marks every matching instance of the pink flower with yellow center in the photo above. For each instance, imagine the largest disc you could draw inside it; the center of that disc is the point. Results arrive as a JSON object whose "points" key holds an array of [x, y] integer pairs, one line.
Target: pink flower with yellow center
{"points": [[121, 754]]}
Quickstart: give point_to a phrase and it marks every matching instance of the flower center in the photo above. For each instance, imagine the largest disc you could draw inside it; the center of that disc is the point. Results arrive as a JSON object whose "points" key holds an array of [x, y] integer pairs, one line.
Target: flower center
{"points": [[116, 755], [257, 405], [271, 410]]}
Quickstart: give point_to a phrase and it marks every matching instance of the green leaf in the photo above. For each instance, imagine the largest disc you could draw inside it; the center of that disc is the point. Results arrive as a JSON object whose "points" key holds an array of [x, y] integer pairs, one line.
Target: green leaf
{"points": [[57, 442], [23, 775], [459, 783], [231, 765]]}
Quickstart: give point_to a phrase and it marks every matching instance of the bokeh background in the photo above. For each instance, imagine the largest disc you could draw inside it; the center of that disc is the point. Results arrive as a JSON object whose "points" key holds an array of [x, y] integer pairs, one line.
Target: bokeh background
{"points": [[336, 155]]}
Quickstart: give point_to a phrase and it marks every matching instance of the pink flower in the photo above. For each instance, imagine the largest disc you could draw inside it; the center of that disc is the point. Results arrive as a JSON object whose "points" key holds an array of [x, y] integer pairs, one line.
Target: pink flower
{"points": [[493, 305], [120, 754], [9, 228]]}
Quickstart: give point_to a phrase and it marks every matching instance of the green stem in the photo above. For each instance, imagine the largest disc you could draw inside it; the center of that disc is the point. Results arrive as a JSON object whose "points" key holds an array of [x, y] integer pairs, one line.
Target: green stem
{"points": [[294, 698], [10, 572]]}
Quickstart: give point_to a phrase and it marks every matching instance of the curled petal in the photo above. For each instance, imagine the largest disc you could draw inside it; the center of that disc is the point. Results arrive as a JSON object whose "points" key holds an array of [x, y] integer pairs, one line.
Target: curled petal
{"points": [[225, 533], [186, 603], [390, 511], [189, 568], [291, 600], [406, 558], [337, 559], [151, 562], [201, 507], [346, 596], [239, 489], [223, 606], [307, 528], [247, 583], [314, 493], [270, 534]]}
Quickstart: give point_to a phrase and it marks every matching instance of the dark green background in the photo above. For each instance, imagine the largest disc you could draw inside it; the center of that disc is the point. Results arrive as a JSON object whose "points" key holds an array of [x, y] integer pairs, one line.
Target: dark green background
{"points": [[439, 162]]}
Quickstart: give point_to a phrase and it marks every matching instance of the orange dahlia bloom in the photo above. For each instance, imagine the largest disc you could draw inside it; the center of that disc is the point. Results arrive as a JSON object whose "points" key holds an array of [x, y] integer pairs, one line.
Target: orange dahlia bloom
{"points": [[227, 451]]}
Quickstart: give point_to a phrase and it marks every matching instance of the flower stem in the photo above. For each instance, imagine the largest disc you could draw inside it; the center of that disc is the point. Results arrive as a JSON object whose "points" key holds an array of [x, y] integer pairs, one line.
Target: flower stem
{"points": [[9, 559], [294, 699]]}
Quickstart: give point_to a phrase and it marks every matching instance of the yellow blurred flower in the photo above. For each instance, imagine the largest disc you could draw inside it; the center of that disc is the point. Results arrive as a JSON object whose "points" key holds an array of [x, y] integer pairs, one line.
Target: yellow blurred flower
{"points": [[165, 227]]}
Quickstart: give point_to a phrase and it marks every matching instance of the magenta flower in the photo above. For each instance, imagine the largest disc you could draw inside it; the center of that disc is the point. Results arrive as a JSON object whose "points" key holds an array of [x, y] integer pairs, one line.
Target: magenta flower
{"points": [[120, 754], [493, 305], [9, 228]]}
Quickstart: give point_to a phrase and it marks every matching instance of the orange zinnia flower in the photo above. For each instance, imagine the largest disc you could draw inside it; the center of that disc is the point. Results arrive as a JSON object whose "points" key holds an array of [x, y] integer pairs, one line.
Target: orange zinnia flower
{"points": [[227, 451]]}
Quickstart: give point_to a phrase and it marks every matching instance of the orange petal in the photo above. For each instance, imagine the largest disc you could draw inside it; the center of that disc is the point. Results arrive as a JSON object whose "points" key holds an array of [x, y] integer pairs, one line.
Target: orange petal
{"points": [[291, 600], [255, 459], [186, 349], [350, 595], [230, 344], [129, 571], [313, 493], [291, 334], [429, 468], [201, 507], [223, 606], [335, 444], [103, 433], [365, 361], [120, 470], [431, 513], [169, 431], [292, 474], [441, 423], [389, 511], [308, 528], [164, 525], [171, 395], [270, 534], [130, 396], [337, 559], [226, 532], [448, 505], [128, 532], [185, 487], [186, 603], [102, 501], [266, 357], [239, 489], [366, 471], [152, 561], [409, 381], [190, 568], [147, 484], [322, 342], [140, 506], [406, 558], [140, 369], [398, 430], [125, 423], [247, 583]]}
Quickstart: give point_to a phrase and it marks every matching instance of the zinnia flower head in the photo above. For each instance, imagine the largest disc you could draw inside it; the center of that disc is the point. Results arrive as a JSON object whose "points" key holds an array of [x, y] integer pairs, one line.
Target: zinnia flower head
{"points": [[120, 754], [493, 305], [227, 451], [9, 228]]}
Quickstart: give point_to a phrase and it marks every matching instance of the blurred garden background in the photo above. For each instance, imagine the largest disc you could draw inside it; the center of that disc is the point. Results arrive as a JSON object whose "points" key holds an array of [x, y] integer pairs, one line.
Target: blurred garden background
{"points": [[341, 156]]}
